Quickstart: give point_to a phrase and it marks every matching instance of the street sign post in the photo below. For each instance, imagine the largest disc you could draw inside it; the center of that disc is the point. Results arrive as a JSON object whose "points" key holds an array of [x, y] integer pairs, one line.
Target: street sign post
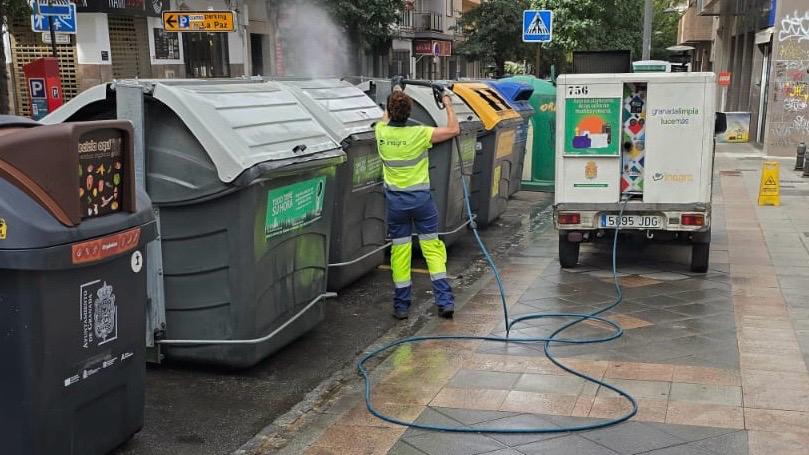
{"points": [[199, 21], [537, 26]]}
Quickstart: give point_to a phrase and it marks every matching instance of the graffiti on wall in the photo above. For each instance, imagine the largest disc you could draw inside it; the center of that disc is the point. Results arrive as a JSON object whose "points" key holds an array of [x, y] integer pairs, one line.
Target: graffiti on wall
{"points": [[788, 116], [794, 27]]}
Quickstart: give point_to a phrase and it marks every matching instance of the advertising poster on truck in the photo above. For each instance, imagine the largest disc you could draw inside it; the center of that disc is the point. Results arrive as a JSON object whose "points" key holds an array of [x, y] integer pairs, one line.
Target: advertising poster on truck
{"points": [[592, 126]]}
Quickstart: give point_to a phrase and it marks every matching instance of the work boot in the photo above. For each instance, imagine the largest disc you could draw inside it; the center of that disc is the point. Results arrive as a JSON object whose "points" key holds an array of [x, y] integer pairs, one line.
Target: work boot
{"points": [[446, 312], [401, 314]]}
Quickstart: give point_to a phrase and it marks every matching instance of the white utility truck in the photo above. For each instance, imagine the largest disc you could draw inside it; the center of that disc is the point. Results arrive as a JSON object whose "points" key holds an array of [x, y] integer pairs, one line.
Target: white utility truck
{"points": [[643, 139]]}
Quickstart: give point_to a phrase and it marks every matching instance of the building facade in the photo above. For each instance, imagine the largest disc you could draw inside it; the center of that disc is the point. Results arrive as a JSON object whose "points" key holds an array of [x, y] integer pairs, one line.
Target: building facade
{"points": [[426, 39], [117, 39], [764, 45]]}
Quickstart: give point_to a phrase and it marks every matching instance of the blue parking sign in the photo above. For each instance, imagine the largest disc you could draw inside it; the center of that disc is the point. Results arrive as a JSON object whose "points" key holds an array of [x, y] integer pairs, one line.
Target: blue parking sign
{"points": [[61, 24], [36, 85], [537, 26]]}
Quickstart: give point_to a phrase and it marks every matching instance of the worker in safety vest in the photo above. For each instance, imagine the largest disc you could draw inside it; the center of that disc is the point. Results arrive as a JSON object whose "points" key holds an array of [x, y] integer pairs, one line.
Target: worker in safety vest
{"points": [[404, 150]]}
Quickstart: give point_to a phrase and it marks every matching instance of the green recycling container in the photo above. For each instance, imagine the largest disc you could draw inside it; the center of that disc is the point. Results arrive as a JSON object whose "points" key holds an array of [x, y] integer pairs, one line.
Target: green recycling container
{"points": [[540, 168]]}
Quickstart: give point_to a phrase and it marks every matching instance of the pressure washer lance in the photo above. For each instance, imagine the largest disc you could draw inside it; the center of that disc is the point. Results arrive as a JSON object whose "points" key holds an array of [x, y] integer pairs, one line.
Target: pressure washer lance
{"points": [[549, 341]]}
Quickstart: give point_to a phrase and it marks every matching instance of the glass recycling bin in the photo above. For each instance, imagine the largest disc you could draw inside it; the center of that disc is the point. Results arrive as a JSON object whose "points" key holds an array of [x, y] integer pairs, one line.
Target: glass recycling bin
{"points": [[494, 158], [243, 177], [540, 168], [73, 231]]}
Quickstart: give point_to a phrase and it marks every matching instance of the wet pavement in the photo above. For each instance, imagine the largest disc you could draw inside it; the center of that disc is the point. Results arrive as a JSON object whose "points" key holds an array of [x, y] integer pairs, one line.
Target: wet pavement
{"points": [[716, 361], [192, 409]]}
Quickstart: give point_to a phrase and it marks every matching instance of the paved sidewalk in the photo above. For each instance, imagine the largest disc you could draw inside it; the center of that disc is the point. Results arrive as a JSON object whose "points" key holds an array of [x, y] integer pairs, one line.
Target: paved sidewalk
{"points": [[717, 361]]}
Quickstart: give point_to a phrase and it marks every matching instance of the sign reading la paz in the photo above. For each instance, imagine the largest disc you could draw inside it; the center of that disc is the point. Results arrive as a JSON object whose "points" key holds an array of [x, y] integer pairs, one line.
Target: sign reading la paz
{"points": [[199, 21], [537, 26]]}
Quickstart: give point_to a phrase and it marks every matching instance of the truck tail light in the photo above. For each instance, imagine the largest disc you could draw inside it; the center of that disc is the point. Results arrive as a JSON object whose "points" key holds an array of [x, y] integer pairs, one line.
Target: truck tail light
{"points": [[569, 218], [693, 220]]}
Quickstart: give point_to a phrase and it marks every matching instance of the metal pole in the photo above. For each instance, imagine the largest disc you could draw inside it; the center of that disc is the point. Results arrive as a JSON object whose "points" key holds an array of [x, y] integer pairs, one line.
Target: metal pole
{"points": [[538, 61], [648, 15], [53, 34]]}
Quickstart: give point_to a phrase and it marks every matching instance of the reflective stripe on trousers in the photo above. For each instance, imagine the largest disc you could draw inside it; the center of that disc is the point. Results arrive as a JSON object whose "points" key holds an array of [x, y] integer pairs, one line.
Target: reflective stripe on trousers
{"points": [[406, 210]]}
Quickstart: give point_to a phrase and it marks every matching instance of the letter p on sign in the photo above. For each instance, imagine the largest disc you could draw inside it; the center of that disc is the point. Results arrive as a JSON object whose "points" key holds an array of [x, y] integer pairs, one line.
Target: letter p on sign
{"points": [[37, 87]]}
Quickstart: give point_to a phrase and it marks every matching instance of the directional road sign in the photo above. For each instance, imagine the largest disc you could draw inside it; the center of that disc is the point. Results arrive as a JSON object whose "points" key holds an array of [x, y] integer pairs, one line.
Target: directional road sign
{"points": [[61, 24], [199, 21], [537, 26]]}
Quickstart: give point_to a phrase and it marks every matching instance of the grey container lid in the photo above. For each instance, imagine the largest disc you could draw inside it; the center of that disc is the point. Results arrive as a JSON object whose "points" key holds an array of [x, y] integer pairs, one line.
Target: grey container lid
{"points": [[240, 123], [340, 107], [424, 96]]}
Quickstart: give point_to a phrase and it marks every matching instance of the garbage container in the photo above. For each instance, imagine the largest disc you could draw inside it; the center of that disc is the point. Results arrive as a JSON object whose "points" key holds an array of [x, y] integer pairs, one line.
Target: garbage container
{"points": [[73, 287], [539, 168], [518, 95], [445, 165], [348, 116], [494, 157], [244, 180]]}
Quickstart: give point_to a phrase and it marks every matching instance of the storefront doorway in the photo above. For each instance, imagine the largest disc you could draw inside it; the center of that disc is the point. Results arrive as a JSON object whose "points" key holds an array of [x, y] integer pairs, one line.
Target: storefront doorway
{"points": [[206, 55]]}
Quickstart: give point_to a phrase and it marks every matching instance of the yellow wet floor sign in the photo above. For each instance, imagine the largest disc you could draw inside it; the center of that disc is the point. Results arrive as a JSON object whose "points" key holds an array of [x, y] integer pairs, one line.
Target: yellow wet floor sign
{"points": [[769, 192]]}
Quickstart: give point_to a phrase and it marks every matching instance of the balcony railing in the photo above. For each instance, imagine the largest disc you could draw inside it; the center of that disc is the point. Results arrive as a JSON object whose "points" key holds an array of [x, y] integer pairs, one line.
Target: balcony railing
{"points": [[407, 21], [428, 21], [421, 21]]}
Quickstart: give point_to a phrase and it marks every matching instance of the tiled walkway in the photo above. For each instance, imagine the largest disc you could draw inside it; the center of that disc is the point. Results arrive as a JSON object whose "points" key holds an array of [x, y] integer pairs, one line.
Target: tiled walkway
{"points": [[716, 361]]}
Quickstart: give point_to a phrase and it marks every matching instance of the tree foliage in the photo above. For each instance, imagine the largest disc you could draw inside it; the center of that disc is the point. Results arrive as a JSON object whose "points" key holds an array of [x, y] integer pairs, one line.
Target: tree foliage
{"points": [[493, 30], [9, 9], [489, 32], [372, 20]]}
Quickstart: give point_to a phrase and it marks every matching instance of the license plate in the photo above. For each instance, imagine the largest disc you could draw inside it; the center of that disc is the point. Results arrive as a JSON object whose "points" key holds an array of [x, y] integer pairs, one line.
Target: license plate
{"points": [[631, 221]]}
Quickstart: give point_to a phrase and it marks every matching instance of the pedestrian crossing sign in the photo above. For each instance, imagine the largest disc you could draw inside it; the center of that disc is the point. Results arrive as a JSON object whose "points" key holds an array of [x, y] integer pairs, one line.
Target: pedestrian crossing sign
{"points": [[537, 26]]}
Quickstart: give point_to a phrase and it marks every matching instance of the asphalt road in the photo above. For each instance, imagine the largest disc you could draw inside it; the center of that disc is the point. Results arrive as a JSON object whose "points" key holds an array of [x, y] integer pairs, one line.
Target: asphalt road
{"points": [[200, 410]]}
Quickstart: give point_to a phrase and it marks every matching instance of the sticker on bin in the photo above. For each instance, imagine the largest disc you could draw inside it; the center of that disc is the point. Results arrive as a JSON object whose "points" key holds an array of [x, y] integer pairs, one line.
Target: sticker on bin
{"points": [[104, 247], [99, 313], [367, 171], [3, 229], [632, 221], [294, 206]]}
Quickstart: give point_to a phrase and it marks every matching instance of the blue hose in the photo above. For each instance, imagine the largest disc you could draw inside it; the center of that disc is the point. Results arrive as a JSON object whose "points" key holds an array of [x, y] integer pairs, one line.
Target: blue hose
{"points": [[552, 339]]}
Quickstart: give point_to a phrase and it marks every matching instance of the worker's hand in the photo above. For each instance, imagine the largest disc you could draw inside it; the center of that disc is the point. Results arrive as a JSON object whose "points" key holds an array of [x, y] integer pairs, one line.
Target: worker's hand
{"points": [[397, 81], [447, 99]]}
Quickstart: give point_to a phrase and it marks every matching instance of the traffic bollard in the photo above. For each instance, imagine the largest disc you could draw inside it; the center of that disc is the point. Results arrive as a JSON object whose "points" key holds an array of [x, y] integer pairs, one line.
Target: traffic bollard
{"points": [[800, 156], [805, 162]]}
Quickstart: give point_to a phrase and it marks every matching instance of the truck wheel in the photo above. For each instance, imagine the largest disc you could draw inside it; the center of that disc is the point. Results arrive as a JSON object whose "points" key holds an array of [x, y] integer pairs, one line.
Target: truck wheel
{"points": [[568, 253], [700, 253]]}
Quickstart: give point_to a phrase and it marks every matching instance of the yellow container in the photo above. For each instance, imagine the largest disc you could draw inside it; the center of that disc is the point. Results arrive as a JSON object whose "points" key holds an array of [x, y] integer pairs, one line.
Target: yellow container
{"points": [[486, 102]]}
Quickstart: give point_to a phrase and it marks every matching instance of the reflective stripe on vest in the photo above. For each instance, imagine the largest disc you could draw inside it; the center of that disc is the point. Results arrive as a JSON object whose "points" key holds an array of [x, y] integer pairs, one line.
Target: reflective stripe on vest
{"points": [[416, 187], [405, 163]]}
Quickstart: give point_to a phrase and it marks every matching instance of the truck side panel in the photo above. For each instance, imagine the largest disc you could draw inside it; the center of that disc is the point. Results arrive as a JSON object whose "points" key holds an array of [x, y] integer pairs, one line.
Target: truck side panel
{"points": [[675, 128]]}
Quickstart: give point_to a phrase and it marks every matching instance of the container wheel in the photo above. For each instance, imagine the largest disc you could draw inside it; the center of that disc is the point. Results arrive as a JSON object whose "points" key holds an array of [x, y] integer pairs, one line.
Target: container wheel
{"points": [[568, 252], [700, 253]]}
